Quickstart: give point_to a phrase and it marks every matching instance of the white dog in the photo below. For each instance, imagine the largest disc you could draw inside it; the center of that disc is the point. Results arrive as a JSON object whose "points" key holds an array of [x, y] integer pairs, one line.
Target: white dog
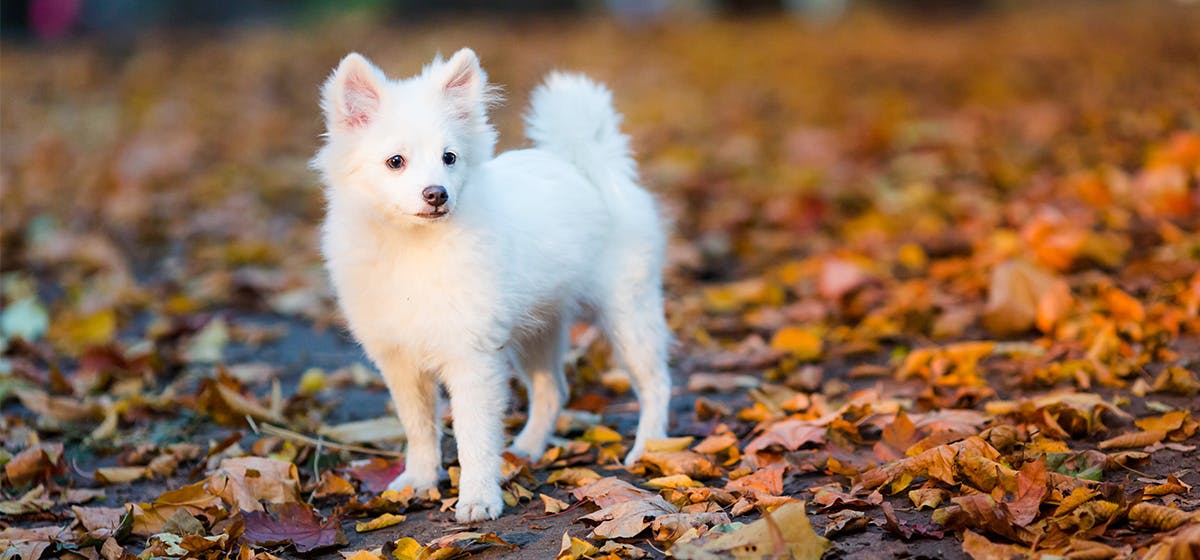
{"points": [[458, 267]]}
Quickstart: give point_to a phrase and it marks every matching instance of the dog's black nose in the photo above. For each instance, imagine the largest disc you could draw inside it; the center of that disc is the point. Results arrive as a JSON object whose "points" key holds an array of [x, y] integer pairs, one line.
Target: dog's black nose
{"points": [[435, 195]]}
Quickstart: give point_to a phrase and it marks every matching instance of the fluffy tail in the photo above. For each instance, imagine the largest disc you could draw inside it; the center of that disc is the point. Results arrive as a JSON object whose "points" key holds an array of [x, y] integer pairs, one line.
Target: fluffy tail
{"points": [[573, 117]]}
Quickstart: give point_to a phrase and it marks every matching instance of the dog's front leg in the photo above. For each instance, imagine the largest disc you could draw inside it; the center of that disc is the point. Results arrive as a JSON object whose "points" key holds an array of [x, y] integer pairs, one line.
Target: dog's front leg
{"points": [[415, 394], [478, 387]]}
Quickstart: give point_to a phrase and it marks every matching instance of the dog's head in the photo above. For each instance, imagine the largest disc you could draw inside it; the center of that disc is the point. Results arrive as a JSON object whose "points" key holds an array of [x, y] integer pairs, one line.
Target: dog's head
{"points": [[406, 146]]}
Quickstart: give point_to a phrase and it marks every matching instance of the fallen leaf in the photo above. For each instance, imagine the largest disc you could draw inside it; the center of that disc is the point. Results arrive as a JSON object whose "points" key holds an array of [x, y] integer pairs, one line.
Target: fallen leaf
{"points": [[295, 524], [608, 491], [626, 519], [387, 428], [785, 529], [385, 520]]}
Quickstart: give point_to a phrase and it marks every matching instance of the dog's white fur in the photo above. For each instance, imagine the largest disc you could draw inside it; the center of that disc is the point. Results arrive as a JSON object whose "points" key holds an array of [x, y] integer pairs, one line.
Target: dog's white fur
{"points": [[534, 240]]}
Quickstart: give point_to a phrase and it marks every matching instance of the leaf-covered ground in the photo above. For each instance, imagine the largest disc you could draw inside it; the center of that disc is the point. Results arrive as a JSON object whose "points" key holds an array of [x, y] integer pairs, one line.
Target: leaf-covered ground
{"points": [[936, 289]]}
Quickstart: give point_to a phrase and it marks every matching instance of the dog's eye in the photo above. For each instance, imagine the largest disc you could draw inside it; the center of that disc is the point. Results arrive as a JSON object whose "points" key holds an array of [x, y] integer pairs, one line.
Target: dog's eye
{"points": [[396, 161], [449, 158]]}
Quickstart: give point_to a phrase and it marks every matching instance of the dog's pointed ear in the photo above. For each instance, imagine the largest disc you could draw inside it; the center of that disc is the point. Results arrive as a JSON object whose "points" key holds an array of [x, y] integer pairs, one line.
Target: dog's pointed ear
{"points": [[464, 83], [352, 94]]}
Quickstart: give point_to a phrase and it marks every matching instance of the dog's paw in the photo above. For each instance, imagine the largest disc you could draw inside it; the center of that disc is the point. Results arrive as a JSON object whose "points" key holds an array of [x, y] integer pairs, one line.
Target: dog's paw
{"points": [[418, 482], [635, 454], [480, 507]]}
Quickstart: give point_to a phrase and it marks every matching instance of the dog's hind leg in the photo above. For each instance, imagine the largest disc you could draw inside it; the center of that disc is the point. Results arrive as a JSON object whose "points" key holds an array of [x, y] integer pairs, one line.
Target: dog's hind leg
{"points": [[634, 322], [546, 385]]}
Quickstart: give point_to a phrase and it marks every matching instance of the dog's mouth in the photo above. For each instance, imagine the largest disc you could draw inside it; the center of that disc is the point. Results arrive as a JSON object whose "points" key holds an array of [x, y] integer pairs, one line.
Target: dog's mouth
{"points": [[433, 215]]}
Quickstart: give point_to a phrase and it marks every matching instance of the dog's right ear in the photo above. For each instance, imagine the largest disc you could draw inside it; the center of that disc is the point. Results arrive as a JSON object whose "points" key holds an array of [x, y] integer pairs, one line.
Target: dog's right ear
{"points": [[352, 94]]}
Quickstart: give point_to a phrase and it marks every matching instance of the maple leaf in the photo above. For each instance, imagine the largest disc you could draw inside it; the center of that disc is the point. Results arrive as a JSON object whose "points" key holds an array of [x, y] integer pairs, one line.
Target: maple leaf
{"points": [[295, 524]]}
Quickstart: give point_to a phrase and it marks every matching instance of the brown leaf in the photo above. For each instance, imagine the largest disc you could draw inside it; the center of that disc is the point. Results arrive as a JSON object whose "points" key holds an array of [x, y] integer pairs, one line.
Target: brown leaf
{"points": [[626, 519], [979, 548], [295, 524], [1171, 486], [1160, 518], [610, 490], [244, 482], [1032, 488], [149, 518], [574, 476], [332, 485], [765, 481], [690, 463], [39, 463], [1133, 439], [456, 545], [94, 519], [1014, 297], [791, 434]]}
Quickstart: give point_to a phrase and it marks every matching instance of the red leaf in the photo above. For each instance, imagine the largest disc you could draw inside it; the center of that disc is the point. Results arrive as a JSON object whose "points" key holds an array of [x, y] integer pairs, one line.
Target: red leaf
{"points": [[374, 474], [292, 523]]}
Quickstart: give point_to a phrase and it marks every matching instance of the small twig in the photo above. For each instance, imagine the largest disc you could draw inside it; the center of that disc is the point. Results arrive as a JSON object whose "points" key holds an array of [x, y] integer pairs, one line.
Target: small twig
{"points": [[298, 437]]}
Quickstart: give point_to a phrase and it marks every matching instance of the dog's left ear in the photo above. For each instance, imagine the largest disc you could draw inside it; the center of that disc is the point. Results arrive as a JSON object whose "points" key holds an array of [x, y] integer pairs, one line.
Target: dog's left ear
{"points": [[464, 84]]}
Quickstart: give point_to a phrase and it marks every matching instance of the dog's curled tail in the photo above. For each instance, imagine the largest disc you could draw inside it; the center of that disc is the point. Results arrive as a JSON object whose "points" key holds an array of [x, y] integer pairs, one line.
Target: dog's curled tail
{"points": [[572, 116]]}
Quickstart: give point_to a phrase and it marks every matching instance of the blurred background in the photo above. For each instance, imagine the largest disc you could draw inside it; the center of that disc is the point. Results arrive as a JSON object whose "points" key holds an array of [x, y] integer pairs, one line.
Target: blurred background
{"points": [[154, 154]]}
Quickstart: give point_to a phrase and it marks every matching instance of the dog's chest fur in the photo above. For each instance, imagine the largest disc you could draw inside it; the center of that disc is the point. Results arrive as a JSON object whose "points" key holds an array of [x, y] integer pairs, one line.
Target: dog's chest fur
{"points": [[422, 294]]}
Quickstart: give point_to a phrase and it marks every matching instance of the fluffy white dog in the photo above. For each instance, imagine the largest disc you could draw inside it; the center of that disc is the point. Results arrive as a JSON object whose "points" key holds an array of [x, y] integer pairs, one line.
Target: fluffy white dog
{"points": [[459, 267]]}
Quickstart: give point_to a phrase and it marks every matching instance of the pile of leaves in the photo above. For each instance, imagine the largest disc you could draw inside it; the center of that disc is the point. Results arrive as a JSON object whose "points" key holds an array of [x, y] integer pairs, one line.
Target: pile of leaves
{"points": [[936, 288]]}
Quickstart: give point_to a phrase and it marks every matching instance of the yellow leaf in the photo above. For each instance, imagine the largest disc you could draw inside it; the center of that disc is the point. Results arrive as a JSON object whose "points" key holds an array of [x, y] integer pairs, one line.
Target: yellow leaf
{"points": [[1168, 422], [574, 476], [669, 444], [783, 533], [119, 475], [575, 549], [927, 497], [311, 381], [673, 481], [74, 333], [552, 504], [408, 548], [600, 434], [385, 520], [802, 343]]}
